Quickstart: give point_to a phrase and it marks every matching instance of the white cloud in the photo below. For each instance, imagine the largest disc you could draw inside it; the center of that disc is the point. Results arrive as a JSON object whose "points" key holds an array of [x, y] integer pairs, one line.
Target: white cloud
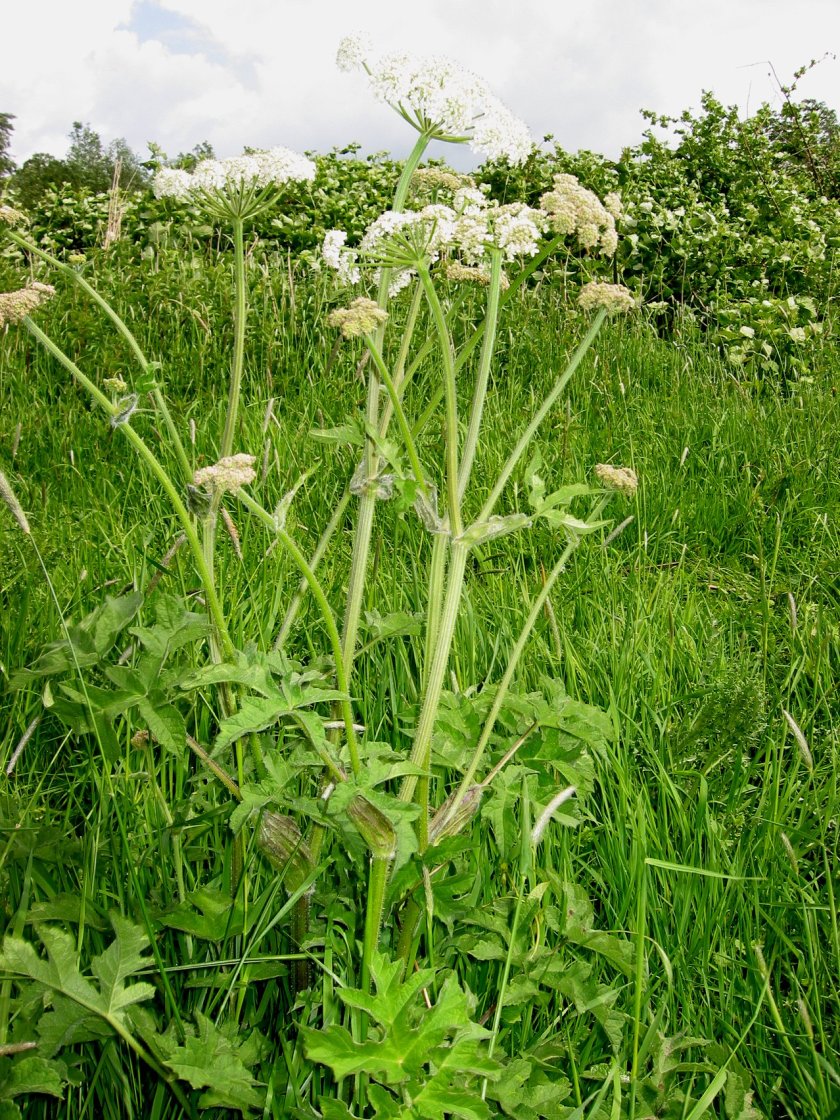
{"points": [[262, 72]]}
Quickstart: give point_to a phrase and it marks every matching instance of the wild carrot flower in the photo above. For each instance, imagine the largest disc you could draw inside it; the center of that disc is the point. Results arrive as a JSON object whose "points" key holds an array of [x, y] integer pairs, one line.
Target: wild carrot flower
{"points": [[363, 316], [228, 475], [623, 479], [614, 297], [15, 306], [441, 98]]}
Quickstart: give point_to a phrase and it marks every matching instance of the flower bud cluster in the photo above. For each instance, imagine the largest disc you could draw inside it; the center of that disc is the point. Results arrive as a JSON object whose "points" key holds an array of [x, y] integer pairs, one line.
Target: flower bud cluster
{"points": [[363, 316], [572, 209], [623, 479], [15, 306], [228, 475], [614, 298]]}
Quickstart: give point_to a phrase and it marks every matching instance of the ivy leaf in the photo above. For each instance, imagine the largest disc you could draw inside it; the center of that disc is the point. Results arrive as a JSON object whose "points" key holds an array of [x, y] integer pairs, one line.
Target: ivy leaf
{"points": [[210, 1061]]}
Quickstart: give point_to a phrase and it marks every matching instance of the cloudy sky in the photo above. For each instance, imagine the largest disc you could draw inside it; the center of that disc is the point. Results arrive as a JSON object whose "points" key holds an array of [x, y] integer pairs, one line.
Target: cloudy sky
{"points": [[262, 72]]}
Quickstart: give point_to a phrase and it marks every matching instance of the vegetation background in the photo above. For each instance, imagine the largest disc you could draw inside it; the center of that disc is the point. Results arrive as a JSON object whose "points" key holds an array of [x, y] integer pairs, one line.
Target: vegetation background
{"points": [[677, 953]]}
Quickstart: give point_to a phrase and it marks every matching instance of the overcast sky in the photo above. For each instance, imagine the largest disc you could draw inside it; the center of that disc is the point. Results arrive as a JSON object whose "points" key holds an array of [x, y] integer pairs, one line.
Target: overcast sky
{"points": [[262, 72]]}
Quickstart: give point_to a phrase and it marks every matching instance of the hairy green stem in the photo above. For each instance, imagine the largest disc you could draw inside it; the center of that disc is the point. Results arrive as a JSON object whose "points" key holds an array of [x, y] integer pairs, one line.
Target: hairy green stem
{"points": [[145, 453], [421, 750], [434, 605], [122, 327], [367, 502], [451, 400], [373, 913], [480, 392], [239, 320]]}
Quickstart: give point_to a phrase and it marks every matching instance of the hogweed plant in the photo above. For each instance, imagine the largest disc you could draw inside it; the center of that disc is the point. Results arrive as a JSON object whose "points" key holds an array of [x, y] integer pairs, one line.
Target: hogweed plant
{"points": [[441, 246]]}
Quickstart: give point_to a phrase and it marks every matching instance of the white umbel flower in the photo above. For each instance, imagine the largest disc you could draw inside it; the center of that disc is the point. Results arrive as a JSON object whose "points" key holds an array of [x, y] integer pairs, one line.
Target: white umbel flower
{"points": [[439, 95], [240, 185]]}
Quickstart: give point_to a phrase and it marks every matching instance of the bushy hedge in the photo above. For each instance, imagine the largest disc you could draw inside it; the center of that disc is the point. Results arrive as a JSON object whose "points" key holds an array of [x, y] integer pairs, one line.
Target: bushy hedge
{"points": [[730, 225]]}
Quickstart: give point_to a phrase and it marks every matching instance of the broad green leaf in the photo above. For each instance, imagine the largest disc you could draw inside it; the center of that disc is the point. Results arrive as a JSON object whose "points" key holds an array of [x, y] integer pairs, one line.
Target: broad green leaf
{"points": [[208, 914], [164, 721], [123, 957], [342, 434], [210, 1061], [31, 1074]]}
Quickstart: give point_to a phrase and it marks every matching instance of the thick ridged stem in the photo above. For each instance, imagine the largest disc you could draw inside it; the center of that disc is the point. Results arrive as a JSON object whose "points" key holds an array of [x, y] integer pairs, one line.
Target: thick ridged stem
{"points": [[421, 750], [373, 913], [434, 605], [148, 457], [367, 502], [240, 314], [450, 394], [482, 377]]}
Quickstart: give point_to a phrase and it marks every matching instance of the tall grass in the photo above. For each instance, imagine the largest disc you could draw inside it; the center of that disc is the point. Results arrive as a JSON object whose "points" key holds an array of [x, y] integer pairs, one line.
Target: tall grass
{"points": [[711, 835]]}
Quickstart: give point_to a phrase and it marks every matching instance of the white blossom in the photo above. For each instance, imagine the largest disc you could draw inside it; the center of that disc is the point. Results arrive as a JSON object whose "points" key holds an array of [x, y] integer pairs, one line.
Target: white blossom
{"points": [[338, 258], [438, 93]]}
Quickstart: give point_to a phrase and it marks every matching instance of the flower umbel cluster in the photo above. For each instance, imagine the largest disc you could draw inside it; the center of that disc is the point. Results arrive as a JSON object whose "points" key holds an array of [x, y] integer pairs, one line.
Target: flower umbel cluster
{"points": [[572, 209], [15, 306], [239, 186], [441, 98], [614, 298], [465, 232], [623, 479], [362, 317], [10, 216], [228, 475]]}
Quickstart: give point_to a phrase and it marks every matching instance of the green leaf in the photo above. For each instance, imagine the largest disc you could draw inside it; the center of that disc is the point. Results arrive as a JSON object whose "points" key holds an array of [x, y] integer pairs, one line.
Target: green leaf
{"points": [[164, 721], [341, 434], [210, 1061], [208, 914], [31, 1074], [80, 1010], [175, 626]]}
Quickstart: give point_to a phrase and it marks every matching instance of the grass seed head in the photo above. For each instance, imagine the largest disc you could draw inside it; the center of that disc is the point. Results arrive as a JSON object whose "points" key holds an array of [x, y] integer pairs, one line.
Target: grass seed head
{"points": [[10, 499]]}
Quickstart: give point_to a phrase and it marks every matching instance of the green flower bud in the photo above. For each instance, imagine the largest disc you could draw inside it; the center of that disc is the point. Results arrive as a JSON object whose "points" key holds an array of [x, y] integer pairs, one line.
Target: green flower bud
{"points": [[374, 827], [280, 841]]}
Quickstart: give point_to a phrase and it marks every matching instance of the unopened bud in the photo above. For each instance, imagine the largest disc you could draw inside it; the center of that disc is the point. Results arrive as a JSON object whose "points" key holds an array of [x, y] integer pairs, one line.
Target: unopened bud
{"points": [[447, 823], [374, 827], [280, 841]]}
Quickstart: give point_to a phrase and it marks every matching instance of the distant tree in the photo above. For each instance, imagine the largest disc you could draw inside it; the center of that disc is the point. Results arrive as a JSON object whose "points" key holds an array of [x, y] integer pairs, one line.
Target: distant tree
{"points": [[187, 160], [88, 165], [7, 164]]}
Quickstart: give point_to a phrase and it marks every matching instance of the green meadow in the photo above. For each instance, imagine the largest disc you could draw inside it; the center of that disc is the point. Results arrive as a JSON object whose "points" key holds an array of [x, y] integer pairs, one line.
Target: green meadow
{"points": [[232, 884]]}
